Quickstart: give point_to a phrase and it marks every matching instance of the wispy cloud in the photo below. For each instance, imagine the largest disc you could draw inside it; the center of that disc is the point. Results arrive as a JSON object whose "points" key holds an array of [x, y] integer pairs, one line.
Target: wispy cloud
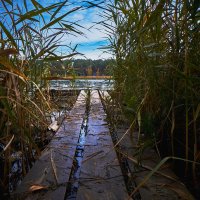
{"points": [[94, 35], [96, 54]]}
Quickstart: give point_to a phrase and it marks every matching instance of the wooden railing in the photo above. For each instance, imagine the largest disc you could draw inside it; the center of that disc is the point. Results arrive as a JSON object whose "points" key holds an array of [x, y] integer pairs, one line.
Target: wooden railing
{"points": [[77, 77]]}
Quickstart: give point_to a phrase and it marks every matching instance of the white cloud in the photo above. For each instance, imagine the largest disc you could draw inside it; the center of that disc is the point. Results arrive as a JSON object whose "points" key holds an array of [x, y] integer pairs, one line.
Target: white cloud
{"points": [[78, 16], [95, 54], [93, 32], [90, 35]]}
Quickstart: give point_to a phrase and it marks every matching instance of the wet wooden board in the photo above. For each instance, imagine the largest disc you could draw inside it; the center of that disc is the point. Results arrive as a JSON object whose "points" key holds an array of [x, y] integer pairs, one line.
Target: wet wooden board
{"points": [[101, 177], [53, 168]]}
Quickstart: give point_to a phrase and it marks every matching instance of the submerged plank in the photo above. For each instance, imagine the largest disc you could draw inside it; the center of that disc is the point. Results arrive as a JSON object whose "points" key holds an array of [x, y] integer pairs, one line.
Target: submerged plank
{"points": [[51, 171], [101, 176]]}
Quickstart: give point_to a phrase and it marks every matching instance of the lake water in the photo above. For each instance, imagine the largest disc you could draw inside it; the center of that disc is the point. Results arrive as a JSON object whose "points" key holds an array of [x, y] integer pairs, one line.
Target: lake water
{"points": [[80, 84]]}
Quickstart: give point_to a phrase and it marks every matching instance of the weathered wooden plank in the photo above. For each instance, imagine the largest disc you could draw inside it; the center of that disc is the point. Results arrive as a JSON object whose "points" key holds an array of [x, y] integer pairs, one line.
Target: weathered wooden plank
{"points": [[101, 176], [53, 168]]}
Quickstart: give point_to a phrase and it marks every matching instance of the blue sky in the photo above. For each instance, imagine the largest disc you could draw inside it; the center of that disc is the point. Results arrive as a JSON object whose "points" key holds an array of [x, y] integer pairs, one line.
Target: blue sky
{"points": [[93, 38], [94, 34]]}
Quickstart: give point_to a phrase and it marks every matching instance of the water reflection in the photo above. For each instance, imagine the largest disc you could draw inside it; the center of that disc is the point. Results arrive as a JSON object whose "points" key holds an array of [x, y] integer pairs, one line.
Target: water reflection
{"points": [[82, 84]]}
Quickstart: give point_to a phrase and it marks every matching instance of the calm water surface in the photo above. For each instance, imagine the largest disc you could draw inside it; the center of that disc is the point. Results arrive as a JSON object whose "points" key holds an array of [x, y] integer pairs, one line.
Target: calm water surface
{"points": [[80, 84]]}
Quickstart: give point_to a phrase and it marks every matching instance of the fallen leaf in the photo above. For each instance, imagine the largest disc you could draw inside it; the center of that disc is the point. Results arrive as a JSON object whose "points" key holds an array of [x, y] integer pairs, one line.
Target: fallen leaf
{"points": [[34, 188], [54, 168]]}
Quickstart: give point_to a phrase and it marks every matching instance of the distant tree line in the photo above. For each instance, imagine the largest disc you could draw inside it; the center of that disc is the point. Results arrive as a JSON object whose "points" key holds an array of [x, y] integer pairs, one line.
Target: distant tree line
{"points": [[82, 67]]}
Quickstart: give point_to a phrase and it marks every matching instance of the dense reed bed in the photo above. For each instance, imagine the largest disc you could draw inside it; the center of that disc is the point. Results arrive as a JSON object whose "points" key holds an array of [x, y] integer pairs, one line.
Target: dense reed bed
{"points": [[157, 76], [30, 35], [156, 45]]}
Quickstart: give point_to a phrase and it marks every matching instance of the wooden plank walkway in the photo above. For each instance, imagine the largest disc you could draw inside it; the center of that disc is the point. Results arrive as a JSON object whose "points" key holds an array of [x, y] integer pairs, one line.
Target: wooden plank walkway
{"points": [[101, 177], [53, 168]]}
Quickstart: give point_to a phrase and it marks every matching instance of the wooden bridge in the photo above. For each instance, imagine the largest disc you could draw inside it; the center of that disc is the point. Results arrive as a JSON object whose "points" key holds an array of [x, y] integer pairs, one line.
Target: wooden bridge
{"points": [[73, 167], [78, 77], [81, 162]]}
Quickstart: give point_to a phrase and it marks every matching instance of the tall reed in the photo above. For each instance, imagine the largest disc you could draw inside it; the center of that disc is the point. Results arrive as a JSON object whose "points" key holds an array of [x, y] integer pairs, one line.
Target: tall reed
{"points": [[30, 35], [156, 44]]}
